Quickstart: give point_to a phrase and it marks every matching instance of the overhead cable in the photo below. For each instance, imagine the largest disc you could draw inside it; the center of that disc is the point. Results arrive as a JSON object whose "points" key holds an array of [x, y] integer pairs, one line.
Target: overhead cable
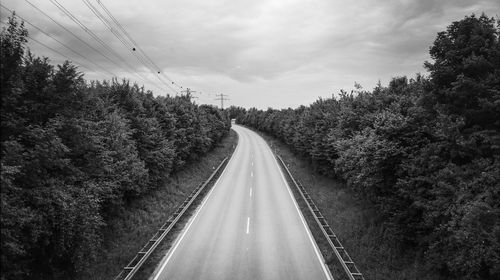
{"points": [[61, 43]]}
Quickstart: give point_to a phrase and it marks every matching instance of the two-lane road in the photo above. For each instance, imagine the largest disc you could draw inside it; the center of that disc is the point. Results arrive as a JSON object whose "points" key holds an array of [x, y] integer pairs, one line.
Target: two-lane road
{"points": [[248, 227]]}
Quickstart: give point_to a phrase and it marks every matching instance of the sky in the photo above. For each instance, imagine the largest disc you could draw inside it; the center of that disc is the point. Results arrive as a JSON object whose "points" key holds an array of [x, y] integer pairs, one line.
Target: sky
{"points": [[260, 53]]}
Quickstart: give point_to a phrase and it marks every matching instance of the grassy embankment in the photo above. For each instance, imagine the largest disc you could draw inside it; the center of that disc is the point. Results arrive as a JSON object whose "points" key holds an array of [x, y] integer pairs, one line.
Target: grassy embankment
{"points": [[137, 223], [355, 223]]}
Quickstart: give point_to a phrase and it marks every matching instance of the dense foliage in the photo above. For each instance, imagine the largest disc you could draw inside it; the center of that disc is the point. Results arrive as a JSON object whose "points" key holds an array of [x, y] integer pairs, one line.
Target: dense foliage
{"points": [[425, 152], [73, 152]]}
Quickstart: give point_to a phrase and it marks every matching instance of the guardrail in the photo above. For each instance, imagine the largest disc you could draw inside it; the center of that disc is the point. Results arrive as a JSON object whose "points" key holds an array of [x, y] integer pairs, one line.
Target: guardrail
{"points": [[345, 260], [133, 266]]}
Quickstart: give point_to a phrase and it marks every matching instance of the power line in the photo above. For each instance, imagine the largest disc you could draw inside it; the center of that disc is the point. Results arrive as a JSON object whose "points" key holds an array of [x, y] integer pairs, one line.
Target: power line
{"points": [[118, 30], [149, 61], [51, 49], [106, 23], [84, 27], [61, 43], [188, 91], [203, 98], [99, 40], [221, 98], [117, 34], [66, 46], [127, 34], [166, 83], [55, 51], [69, 31], [81, 40], [130, 43], [135, 44]]}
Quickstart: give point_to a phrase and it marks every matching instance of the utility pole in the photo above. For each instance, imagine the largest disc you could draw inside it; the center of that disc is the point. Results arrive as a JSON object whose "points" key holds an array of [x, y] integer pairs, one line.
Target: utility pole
{"points": [[194, 97], [189, 93], [221, 97]]}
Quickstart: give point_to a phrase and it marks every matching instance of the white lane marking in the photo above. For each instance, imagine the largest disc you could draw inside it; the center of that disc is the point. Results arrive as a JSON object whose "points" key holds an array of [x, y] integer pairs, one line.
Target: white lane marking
{"points": [[250, 192], [252, 163], [315, 246], [251, 174], [171, 252], [248, 225]]}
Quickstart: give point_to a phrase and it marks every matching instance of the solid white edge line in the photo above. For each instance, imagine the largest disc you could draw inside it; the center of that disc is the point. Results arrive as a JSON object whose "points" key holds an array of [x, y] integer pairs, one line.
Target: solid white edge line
{"points": [[315, 246], [179, 240]]}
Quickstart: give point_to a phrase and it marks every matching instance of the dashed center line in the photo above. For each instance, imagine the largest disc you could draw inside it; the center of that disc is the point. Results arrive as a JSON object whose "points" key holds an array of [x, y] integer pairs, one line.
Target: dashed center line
{"points": [[248, 225], [250, 192], [251, 174]]}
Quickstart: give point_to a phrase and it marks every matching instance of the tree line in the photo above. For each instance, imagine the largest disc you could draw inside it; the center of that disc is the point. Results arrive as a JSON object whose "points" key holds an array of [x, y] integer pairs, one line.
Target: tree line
{"points": [[424, 151], [73, 152]]}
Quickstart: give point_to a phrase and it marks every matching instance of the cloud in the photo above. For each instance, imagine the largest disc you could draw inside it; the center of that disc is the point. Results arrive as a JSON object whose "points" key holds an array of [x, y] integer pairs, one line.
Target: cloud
{"points": [[262, 52]]}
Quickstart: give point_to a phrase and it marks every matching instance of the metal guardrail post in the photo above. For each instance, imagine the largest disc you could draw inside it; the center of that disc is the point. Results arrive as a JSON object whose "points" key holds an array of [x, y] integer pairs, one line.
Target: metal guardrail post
{"points": [[133, 266], [345, 260]]}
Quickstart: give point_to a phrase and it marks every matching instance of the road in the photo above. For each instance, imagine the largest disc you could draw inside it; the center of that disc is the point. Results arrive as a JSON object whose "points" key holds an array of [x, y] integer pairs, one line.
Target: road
{"points": [[248, 226]]}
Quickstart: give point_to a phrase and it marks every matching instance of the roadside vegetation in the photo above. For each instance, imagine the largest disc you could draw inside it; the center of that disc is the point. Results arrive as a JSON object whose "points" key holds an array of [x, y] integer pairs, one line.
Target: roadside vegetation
{"points": [[423, 153], [76, 154], [356, 224], [129, 230]]}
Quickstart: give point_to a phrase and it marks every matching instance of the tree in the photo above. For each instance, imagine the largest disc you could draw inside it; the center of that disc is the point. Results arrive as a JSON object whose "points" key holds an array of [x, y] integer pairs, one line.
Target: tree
{"points": [[465, 73], [12, 44], [73, 153], [424, 152]]}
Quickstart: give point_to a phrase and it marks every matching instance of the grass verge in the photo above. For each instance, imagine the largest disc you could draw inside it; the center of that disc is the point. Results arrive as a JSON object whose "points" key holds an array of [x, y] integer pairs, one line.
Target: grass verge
{"points": [[356, 224], [137, 223]]}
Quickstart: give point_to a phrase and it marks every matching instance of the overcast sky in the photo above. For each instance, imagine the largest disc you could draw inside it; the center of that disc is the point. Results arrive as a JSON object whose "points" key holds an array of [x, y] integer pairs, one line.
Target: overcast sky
{"points": [[260, 53]]}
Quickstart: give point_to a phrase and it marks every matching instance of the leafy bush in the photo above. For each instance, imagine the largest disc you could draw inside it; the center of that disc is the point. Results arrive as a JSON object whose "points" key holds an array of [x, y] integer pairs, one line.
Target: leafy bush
{"points": [[73, 152], [425, 152]]}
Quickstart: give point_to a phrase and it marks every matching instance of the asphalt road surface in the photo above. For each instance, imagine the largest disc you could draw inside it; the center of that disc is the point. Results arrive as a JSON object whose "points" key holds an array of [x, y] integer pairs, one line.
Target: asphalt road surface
{"points": [[248, 226]]}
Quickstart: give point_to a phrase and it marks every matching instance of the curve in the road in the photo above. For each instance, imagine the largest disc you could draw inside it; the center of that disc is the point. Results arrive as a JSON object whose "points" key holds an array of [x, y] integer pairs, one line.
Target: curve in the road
{"points": [[248, 227]]}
